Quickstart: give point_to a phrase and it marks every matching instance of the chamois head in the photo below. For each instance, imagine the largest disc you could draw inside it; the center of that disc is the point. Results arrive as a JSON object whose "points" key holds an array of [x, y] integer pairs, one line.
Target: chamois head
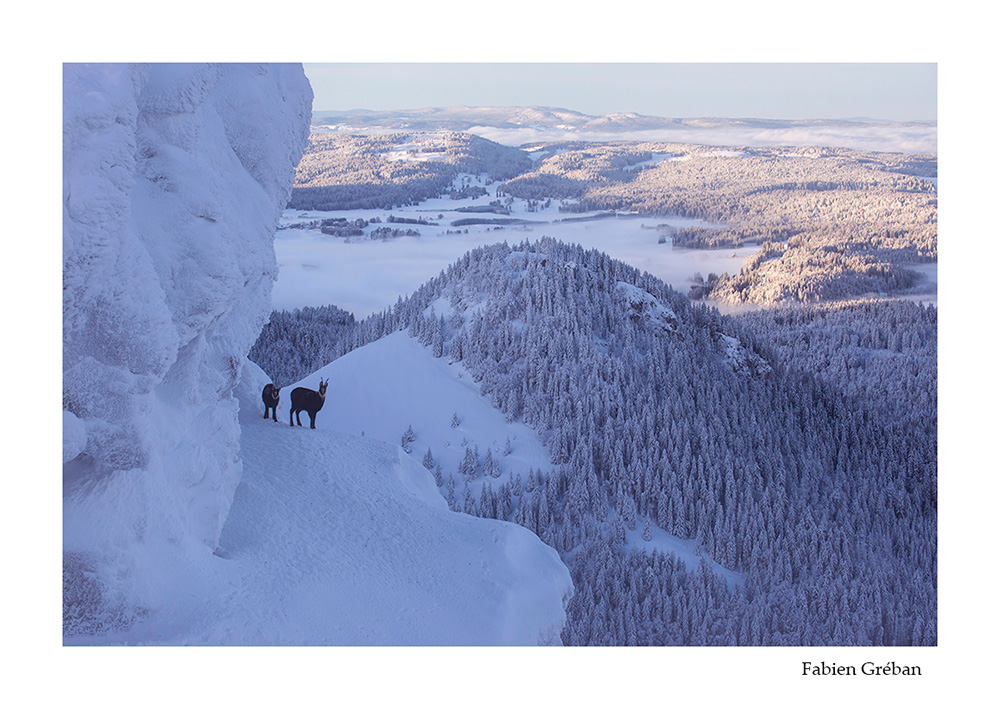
{"points": [[322, 386]]}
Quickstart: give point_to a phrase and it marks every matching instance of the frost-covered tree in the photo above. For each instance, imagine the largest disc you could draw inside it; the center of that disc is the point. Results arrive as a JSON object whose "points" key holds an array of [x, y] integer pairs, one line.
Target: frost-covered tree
{"points": [[407, 438], [469, 467], [491, 468], [450, 493]]}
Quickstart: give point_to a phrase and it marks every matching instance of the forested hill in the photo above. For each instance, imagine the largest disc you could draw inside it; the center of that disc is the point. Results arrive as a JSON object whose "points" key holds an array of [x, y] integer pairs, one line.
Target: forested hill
{"points": [[388, 170], [659, 418]]}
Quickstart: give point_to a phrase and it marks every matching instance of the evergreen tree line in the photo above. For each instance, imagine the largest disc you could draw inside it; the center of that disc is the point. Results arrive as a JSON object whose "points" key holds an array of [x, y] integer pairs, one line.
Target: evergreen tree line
{"points": [[295, 343]]}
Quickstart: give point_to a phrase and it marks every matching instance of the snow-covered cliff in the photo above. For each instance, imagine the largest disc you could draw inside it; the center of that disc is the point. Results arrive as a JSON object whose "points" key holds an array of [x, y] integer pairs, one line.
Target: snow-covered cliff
{"points": [[174, 177], [188, 519]]}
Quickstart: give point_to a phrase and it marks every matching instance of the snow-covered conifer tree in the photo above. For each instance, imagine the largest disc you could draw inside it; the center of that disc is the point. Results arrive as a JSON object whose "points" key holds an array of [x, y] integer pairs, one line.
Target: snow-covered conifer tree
{"points": [[407, 438], [450, 496], [469, 467], [491, 467]]}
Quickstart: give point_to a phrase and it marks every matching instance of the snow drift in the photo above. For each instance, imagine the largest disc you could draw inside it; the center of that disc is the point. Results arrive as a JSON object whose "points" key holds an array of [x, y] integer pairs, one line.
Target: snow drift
{"points": [[174, 177], [345, 539], [341, 539]]}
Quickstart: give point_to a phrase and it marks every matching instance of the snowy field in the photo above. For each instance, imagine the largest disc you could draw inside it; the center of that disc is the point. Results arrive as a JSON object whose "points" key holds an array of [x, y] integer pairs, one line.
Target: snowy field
{"points": [[363, 276]]}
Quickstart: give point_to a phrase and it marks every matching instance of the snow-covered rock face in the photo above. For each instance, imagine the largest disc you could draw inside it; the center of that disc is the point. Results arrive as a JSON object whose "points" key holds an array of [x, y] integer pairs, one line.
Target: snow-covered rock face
{"points": [[641, 307], [174, 177], [743, 360]]}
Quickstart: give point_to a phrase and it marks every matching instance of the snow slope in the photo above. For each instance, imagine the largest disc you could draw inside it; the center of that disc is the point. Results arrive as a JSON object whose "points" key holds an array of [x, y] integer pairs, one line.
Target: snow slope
{"points": [[394, 383], [383, 559], [334, 539]]}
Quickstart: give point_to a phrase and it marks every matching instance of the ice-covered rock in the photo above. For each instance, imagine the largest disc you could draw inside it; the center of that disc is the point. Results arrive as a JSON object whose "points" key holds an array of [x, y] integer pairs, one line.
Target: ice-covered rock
{"points": [[642, 307], [742, 359], [174, 177]]}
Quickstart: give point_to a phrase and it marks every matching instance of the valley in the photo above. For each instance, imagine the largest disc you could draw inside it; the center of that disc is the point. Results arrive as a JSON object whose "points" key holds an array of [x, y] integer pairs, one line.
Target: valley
{"points": [[364, 275]]}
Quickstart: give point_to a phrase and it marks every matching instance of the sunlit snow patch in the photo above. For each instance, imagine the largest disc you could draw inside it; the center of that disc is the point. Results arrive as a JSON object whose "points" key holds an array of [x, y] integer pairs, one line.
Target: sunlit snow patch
{"points": [[425, 148]]}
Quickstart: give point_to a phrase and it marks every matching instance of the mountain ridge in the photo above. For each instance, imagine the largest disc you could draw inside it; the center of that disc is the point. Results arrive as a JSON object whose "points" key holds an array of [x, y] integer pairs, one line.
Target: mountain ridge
{"points": [[463, 118]]}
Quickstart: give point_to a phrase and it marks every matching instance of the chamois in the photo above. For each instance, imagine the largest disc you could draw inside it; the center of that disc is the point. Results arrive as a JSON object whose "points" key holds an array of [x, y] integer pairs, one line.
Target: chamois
{"points": [[270, 395], [309, 401]]}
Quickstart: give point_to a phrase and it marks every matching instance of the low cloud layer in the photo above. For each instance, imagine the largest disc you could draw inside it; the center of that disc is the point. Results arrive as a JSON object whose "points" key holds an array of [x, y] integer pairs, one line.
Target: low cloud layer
{"points": [[887, 137]]}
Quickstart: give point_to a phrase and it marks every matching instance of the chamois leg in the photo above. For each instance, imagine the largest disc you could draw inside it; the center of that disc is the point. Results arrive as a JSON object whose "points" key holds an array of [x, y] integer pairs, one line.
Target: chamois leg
{"points": [[312, 420], [266, 411], [291, 417]]}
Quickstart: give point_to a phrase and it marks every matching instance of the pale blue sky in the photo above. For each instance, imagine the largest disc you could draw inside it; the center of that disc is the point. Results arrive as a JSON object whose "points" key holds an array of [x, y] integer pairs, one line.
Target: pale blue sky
{"points": [[901, 92]]}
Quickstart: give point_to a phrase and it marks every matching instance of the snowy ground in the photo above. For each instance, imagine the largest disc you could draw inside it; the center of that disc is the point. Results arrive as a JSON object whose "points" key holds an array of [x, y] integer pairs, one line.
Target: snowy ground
{"points": [[425, 148], [364, 276], [413, 388], [337, 539]]}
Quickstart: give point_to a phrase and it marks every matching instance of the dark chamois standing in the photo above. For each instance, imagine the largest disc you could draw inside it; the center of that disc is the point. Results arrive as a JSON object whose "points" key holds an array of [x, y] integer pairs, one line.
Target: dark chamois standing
{"points": [[270, 395], [309, 401]]}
